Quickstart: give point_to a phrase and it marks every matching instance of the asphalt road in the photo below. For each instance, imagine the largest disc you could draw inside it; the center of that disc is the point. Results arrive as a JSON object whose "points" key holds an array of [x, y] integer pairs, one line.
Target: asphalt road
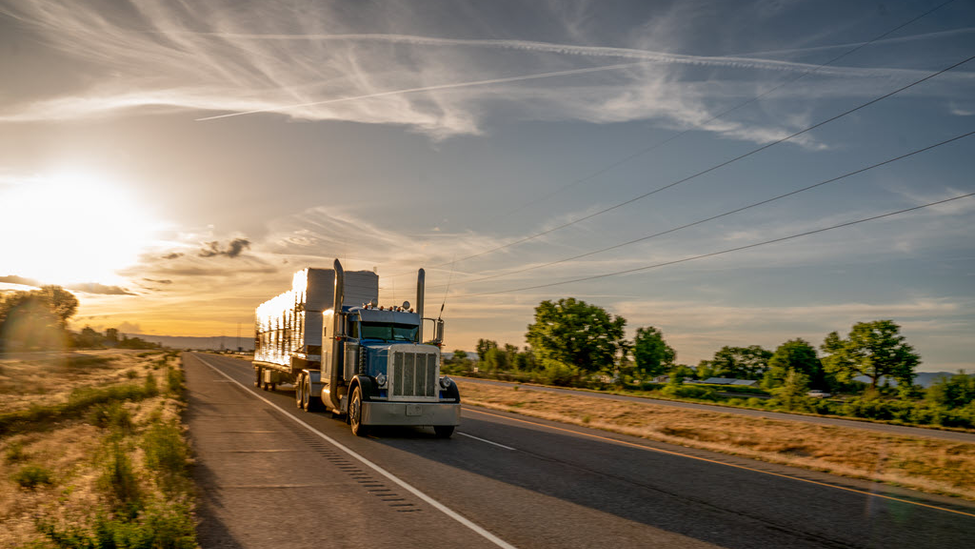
{"points": [[506, 481], [867, 425]]}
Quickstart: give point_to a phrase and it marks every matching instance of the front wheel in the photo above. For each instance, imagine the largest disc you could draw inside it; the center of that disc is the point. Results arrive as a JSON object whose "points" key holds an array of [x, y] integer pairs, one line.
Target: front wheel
{"points": [[443, 431], [355, 413]]}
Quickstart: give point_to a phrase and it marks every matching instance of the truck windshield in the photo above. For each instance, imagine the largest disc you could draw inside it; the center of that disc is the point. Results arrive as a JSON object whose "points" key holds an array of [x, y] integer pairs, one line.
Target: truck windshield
{"points": [[388, 332]]}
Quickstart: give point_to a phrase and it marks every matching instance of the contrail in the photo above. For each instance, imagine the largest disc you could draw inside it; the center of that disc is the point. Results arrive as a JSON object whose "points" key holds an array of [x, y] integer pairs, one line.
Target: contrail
{"points": [[431, 88], [548, 47]]}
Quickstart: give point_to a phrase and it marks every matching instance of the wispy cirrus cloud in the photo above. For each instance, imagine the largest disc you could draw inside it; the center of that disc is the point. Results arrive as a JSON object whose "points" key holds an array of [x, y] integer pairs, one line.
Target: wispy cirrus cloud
{"points": [[313, 61]]}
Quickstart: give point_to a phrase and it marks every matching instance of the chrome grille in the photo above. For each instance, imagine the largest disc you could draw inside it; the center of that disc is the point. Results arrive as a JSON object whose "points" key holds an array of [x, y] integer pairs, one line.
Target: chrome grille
{"points": [[414, 374]]}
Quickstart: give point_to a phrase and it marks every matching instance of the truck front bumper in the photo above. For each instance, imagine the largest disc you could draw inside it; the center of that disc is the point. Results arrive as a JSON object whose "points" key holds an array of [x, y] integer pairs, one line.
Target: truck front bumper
{"points": [[410, 413]]}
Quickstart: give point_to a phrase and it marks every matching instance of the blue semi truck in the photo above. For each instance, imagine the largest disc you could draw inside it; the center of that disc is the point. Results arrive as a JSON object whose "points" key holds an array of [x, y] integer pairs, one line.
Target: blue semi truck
{"points": [[344, 353]]}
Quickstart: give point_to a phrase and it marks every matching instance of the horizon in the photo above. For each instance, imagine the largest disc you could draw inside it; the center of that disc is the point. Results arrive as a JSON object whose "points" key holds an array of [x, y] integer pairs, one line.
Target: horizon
{"points": [[174, 168]]}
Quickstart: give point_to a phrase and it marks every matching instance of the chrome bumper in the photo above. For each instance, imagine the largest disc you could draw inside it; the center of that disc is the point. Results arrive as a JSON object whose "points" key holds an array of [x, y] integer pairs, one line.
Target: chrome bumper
{"points": [[410, 413]]}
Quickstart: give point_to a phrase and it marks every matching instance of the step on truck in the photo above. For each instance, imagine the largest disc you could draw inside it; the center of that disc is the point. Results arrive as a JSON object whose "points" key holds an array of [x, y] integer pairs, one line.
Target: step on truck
{"points": [[344, 353]]}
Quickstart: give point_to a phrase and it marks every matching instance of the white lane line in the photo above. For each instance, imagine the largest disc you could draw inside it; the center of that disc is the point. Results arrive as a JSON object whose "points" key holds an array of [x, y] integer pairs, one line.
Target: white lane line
{"points": [[409, 488], [485, 440]]}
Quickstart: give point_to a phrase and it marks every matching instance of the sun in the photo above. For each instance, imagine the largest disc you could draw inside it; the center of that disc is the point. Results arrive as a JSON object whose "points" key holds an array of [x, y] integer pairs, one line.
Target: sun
{"points": [[70, 228]]}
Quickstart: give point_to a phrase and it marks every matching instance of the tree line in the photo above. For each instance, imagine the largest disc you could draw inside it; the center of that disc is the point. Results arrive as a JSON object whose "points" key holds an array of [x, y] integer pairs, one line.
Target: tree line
{"points": [[573, 343], [37, 320]]}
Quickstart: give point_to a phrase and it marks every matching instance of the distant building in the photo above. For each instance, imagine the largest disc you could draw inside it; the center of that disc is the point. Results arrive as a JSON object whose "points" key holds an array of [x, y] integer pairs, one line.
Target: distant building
{"points": [[730, 381]]}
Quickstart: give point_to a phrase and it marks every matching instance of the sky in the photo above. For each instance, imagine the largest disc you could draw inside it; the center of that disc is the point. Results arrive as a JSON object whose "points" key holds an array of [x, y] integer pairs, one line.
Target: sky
{"points": [[174, 163]]}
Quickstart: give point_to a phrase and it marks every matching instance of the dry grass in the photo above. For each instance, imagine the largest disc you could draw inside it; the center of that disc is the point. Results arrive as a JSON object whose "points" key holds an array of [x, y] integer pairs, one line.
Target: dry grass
{"points": [[929, 465], [72, 450], [46, 378]]}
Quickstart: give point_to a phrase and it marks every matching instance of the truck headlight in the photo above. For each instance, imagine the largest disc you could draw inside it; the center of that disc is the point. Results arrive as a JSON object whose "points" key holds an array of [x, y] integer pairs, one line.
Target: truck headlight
{"points": [[445, 382], [381, 380]]}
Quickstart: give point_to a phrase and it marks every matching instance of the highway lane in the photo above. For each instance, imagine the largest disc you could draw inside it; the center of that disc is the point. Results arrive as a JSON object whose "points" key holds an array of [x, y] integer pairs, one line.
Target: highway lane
{"points": [[852, 423], [535, 484]]}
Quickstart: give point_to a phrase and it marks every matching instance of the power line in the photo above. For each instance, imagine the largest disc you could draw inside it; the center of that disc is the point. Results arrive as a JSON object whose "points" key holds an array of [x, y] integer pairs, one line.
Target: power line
{"points": [[718, 216], [723, 252], [717, 166], [659, 144]]}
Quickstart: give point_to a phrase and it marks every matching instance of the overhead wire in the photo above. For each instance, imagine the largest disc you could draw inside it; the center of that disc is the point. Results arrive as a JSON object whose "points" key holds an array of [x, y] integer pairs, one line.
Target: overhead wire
{"points": [[718, 166], [721, 252], [721, 114], [721, 215]]}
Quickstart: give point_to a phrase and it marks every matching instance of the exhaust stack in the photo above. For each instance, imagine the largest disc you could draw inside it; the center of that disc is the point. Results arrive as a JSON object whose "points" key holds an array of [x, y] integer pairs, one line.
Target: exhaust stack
{"points": [[420, 281], [337, 333]]}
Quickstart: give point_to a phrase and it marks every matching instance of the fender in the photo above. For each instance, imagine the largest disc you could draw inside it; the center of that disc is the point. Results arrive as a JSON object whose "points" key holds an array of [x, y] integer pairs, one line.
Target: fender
{"points": [[452, 392], [367, 385]]}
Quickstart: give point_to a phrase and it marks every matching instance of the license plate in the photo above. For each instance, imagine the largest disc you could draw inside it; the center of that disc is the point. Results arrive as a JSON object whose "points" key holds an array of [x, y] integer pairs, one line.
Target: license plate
{"points": [[414, 410]]}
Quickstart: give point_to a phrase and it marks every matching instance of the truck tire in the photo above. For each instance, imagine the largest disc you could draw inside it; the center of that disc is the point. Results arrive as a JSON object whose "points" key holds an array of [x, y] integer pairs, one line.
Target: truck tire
{"points": [[443, 431], [299, 390], [355, 413], [309, 402], [257, 378]]}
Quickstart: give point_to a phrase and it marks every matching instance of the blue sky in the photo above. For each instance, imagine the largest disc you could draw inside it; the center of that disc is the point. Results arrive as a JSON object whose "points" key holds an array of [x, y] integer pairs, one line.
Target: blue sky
{"points": [[218, 149]]}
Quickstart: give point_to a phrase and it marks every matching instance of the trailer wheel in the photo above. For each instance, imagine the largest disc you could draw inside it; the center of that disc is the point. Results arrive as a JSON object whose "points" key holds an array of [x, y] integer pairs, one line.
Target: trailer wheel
{"points": [[299, 390], [355, 413], [443, 431], [257, 378]]}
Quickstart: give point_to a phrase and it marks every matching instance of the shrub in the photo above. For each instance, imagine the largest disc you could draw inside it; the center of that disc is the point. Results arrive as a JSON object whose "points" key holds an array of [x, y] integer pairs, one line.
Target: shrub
{"points": [[166, 453], [689, 391], [112, 414], [151, 389], [559, 373], [157, 526], [31, 476], [118, 480], [83, 361], [174, 380], [15, 453]]}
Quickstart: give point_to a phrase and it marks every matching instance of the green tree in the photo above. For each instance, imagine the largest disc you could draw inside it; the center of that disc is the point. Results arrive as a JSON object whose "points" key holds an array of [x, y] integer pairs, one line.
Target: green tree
{"points": [[738, 362], [956, 391], [794, 388], [798, 355], [873, 349], [88, 339], [495, 360], [651, 353], [36, 319], [575, 333], [483, 346]]}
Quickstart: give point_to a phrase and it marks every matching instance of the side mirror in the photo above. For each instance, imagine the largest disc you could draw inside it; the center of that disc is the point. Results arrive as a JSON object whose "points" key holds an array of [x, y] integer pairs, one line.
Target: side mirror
{"points": [[437, 331]]}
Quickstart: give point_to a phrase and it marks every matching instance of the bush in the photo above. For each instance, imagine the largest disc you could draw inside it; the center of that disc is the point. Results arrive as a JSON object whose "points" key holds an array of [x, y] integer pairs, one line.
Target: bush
{"points": [[118, 480], [150, 387], [15, 453], [558, 373], [31, 476], [166, 453], [174, 381], [755, 402], [157, 526], [689, 391], [113, 415]]}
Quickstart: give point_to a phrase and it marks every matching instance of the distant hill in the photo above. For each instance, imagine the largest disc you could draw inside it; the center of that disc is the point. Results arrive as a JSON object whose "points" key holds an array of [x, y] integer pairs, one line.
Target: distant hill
{"points": [[216, 343], [924, 379]]}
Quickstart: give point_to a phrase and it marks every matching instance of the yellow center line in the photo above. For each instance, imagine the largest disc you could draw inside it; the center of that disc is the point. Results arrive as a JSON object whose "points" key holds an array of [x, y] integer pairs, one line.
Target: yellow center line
{"points": [[698, 458]]}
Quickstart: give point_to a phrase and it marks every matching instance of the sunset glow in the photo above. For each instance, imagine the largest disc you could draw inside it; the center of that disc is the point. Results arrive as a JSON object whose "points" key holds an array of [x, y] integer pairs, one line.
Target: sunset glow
{"points": [[71, 228]]}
